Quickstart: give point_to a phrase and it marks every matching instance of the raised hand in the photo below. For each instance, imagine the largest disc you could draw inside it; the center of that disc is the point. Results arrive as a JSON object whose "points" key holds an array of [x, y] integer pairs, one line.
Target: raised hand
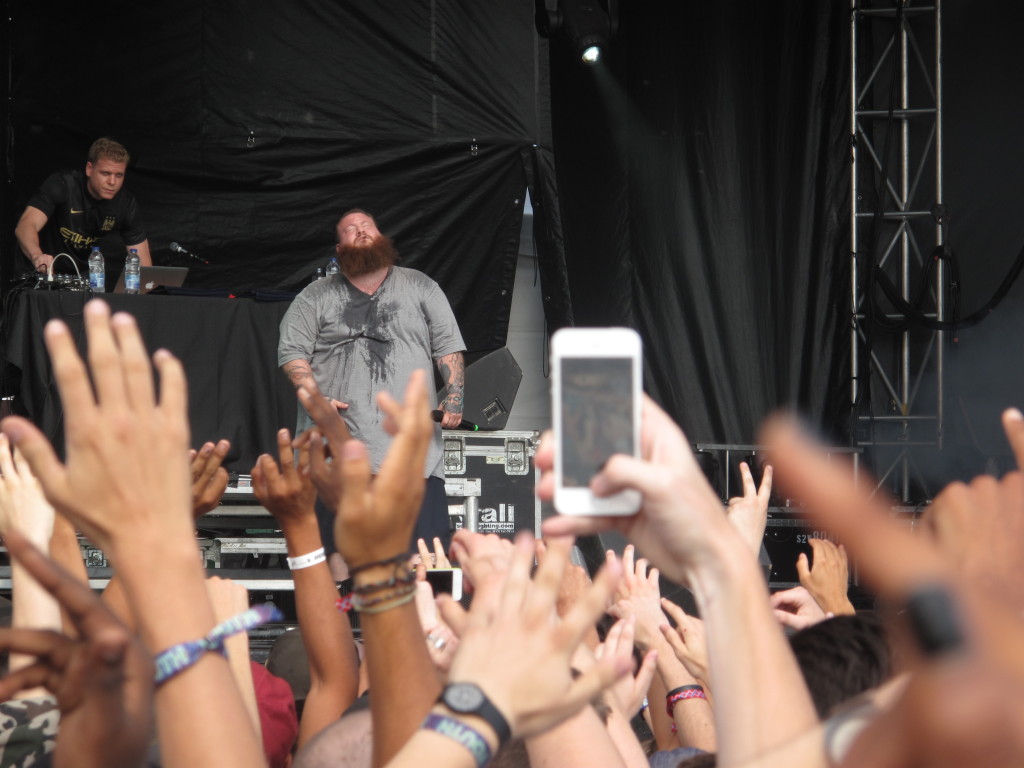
{"points": [[796, 608], [533, 686], [681, 515], [749, 513], [628, 692], [828, 579], [980, 653], [639, 596], [375, 519], [688, 642], [102, 679], [126, 471], [209, 478], [324, 464], [285, 489], [435, 559]]}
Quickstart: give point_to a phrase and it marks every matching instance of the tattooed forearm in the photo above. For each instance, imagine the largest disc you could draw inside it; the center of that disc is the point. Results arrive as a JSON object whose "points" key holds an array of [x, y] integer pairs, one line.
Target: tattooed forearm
{"points": [[297, 371], [453, 371]]}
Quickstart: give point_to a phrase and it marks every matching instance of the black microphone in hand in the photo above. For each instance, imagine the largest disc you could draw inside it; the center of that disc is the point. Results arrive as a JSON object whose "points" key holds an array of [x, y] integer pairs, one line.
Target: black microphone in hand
{"points": [[181, 249], [468, 426]]}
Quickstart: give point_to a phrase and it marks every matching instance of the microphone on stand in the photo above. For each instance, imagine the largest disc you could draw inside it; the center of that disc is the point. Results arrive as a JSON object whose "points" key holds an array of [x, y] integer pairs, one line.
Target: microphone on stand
{"points": [[181, 249], [468, 426]]}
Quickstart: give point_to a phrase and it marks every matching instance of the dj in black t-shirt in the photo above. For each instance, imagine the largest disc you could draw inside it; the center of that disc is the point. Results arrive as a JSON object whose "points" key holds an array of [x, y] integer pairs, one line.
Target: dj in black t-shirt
{"points": [[72, 211]]}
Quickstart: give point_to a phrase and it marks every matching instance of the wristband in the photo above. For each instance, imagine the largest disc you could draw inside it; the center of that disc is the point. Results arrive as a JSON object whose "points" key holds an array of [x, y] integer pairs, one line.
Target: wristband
{"points": [[315, 557], [180, 657], [462, 733], [681, 693]]}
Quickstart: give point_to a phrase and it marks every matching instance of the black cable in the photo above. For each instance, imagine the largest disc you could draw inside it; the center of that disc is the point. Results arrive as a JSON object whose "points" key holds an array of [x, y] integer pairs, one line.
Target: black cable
{"points": [[913, 314]]}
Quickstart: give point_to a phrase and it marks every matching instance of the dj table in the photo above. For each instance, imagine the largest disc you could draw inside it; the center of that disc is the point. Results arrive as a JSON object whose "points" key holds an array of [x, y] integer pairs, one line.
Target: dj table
{"points": [[228, 348]]}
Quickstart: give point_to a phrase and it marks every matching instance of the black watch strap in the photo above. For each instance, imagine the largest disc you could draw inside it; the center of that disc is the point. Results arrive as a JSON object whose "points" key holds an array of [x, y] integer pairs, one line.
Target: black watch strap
{"points": [[469, 699]]}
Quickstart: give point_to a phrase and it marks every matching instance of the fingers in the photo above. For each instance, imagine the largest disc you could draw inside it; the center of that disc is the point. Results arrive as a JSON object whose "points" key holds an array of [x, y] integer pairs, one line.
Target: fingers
{"points": [[284, 451], [138, 376], [802, 568], [355, 473], [40, 456], [749, 487], [764, 493], [1013, 426], [440, 559], [453, 614], [421, 547]]}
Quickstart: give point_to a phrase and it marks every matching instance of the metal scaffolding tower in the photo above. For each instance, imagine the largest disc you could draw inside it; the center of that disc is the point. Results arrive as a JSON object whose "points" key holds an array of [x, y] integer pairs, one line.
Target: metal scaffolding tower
{"points": [[897, 235]]}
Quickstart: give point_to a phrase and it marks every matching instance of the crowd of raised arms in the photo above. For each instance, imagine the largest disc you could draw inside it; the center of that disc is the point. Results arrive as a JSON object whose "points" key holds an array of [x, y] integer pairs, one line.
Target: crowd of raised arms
{"points": [[546, 666]]}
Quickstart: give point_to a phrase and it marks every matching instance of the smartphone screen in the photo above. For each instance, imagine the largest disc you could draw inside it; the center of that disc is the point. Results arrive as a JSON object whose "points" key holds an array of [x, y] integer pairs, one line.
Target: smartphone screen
{"points": [[597, 415]]}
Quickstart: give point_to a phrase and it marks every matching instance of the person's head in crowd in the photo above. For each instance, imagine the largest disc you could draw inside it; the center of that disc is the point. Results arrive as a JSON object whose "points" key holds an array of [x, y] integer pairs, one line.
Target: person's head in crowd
{"points": [[347, 743], [361, 247], [279, 722], [105, 169], [288, 660], [842, 657]]}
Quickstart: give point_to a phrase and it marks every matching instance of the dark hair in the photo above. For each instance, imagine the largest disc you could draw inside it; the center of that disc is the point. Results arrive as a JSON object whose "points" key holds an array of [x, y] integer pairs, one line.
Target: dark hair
{"points": [[842, 657]]}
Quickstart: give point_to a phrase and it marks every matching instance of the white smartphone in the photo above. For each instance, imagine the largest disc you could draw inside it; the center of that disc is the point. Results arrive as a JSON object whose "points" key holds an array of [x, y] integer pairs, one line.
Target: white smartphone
{"points": [[596, 402]]}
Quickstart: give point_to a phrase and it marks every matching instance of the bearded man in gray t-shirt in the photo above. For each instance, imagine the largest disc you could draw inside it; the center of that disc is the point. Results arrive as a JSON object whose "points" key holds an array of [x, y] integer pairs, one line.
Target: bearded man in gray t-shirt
{"points": [[365, 331]]}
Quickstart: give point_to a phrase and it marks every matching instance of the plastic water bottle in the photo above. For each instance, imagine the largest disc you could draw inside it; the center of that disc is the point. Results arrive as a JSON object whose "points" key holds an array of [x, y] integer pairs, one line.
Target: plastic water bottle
{"points": [[332, 267], [97, 271], [131, 272], [318, 275]]}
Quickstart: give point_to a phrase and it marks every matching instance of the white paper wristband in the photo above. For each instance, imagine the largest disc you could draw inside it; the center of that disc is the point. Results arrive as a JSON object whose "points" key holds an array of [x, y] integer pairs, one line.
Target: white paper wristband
{"points": [[305, 561]]}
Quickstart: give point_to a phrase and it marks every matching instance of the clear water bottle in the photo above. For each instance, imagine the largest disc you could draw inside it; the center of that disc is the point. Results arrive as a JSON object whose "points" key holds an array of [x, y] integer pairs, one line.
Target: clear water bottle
{"points": [[97, 271], [131, 272], [332, 267], [318, 275]]}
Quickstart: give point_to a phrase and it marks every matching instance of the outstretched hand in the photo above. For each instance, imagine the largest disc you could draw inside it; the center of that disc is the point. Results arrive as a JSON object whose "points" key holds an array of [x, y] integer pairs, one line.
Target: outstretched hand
{"points": [[285, 489], [749, 513], [376, 518], [533, 685], [324, 462], [796, 608], [102, 680], [126, 476], [681, 514], [209, 478], [827, 580]]}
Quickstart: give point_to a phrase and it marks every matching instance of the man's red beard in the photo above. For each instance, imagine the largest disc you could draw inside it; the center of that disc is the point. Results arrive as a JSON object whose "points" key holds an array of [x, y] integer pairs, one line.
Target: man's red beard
{"points": [[357, 260]]}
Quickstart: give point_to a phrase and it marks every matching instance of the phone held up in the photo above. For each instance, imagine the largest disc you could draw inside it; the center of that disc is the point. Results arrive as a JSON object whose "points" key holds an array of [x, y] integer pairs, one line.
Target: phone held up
{"points": [[596, 401]]}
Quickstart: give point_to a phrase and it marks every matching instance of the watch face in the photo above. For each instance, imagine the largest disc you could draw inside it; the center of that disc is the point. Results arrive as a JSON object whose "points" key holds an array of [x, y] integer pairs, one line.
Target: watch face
{"points": [[463, 697]]}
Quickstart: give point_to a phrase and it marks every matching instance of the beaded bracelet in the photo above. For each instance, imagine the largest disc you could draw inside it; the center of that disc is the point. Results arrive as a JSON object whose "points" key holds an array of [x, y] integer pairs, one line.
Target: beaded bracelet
{"points": [[406, 598], [395, 580], [682, 693], [396, 560], [363, 604], [180, 657]]}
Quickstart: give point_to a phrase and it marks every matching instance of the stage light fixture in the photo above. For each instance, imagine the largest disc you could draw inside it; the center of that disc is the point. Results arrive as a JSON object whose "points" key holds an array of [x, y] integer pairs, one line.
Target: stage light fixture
{"points": [[586, 26]]}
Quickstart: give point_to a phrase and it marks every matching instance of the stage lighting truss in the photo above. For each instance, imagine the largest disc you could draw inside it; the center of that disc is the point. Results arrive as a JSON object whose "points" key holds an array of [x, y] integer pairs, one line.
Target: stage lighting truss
{"points": [[586, 26], [897, 228]]}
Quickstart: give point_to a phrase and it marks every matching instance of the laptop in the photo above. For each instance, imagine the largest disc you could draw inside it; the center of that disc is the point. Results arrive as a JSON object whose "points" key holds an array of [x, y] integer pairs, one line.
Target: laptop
{"points": [[154, 277]]}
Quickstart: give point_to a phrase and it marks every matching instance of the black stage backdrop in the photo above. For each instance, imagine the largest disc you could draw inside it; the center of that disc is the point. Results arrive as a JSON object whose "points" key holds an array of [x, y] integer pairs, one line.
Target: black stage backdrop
{"points": [[704, 182], [254, 125], [703, 171]]}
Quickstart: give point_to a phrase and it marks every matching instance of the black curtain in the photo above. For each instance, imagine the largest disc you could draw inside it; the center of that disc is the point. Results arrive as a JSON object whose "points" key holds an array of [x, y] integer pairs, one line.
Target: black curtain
{"points": [[254, 124], [703, 169]]}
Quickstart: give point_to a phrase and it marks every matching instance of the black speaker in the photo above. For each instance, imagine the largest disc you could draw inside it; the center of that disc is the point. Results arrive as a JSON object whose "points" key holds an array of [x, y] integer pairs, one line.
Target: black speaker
{"points": [[492, 381]]}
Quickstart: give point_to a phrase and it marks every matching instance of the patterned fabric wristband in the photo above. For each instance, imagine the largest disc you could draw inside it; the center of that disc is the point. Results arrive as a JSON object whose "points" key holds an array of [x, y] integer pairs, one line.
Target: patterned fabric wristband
{"points": [[458, 731], [315, 557], [681, 693], [180, 657]]}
